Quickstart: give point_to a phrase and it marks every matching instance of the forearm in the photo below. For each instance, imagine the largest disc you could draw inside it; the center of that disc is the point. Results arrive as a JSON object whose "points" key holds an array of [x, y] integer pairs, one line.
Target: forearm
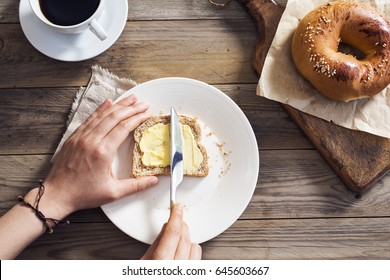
{"points": [[81, 175], [20, 226]]}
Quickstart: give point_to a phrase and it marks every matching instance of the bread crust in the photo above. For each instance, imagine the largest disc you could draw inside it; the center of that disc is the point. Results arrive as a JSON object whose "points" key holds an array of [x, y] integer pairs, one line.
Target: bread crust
{"points": [[334, 74], [139, 169]]}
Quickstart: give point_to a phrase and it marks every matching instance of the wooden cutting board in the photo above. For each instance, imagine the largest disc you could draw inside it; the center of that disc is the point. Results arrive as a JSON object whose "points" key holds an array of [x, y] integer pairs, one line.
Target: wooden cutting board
{"points": [[360, 159]]}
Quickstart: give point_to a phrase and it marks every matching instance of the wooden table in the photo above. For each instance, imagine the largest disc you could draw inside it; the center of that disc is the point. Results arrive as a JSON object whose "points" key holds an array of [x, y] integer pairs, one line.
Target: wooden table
{"points": [[300, 208]]}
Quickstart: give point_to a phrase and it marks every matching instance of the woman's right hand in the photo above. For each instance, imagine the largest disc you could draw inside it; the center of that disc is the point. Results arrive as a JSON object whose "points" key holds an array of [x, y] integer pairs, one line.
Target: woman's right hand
{"points": [[173, 242]]}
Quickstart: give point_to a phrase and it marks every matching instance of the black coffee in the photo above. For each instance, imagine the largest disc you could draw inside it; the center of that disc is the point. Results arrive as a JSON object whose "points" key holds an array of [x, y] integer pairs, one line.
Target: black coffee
{"points": [[68, 12]]}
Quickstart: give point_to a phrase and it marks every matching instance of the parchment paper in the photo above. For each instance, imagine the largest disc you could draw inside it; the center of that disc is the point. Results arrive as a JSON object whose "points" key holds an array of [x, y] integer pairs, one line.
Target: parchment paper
{"points": [[280, 81]]}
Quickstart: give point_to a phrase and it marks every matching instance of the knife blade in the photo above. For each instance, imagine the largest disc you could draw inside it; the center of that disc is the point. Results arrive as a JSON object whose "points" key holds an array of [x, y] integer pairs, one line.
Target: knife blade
{"points": [[177, 164]]}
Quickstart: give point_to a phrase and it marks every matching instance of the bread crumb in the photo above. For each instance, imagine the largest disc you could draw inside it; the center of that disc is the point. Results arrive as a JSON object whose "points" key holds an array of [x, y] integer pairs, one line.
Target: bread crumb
{"points": [[226, 170], [225, 157]]}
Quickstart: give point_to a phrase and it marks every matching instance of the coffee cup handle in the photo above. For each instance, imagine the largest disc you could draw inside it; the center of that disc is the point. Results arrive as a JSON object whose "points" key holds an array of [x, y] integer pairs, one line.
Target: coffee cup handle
{"points": [[98, 30]]}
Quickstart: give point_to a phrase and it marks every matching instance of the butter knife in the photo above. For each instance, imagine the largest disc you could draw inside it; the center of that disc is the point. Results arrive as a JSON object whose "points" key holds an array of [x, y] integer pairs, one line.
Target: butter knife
{"points": [[177, 164]]}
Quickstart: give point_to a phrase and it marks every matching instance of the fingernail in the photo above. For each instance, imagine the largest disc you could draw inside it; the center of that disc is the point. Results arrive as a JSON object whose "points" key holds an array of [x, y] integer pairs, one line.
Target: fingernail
{"points": [[143, 105], [179, 207], [153, 180], [131, 99]]}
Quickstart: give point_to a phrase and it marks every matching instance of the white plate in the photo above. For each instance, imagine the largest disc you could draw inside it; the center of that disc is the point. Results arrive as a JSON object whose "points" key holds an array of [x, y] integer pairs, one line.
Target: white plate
{"points": [[73, 47], [213, 203]]}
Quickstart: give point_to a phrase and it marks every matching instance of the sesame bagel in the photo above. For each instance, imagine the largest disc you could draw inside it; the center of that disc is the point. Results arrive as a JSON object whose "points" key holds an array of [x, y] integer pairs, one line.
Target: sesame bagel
{"points": [[336, 75]]}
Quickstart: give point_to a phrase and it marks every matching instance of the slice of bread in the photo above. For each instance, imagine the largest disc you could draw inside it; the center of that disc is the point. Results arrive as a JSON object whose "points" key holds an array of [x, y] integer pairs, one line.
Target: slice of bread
{"points": [[141, 170]]}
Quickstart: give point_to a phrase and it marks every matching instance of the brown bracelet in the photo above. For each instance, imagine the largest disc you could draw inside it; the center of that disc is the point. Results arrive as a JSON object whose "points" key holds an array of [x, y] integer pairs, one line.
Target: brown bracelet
{"points": [[39, 214]]}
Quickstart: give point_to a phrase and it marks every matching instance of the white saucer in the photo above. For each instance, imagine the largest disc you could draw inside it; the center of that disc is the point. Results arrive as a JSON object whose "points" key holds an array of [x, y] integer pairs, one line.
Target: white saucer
{"points": [[73, 47]]}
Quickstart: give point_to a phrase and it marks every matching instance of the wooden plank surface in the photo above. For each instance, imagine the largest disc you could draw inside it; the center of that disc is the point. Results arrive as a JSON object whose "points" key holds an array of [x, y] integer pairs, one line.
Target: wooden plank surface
{"points": [[152, 10], [308, 188], [38, 127], [143, 52], [277, 239], [300, 208]]}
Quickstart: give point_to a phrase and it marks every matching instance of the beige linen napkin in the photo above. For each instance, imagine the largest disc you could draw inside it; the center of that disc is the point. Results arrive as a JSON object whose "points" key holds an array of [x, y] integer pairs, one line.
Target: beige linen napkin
{"points": [[102, 85]]}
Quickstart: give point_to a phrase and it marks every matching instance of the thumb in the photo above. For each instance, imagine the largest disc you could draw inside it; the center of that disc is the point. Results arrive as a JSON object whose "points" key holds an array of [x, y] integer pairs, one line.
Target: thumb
{"points": [[134, 185]]}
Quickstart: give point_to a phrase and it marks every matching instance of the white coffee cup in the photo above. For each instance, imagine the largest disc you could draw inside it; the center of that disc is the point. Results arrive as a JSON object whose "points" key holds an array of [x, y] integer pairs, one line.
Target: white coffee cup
{"points": [[90, 23]]}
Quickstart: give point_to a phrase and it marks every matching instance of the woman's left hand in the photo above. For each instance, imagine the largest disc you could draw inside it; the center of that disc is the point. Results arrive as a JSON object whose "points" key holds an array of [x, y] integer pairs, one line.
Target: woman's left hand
{"points": [[81, 175]]}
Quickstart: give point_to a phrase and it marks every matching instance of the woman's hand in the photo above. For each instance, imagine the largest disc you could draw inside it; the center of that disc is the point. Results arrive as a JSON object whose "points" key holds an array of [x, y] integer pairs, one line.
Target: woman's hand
{"points": [[173, 242], [81, 175]]}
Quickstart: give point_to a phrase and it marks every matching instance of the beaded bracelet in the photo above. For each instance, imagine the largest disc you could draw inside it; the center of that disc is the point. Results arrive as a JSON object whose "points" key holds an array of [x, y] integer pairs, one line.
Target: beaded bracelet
{"points": [[39, 214]]}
